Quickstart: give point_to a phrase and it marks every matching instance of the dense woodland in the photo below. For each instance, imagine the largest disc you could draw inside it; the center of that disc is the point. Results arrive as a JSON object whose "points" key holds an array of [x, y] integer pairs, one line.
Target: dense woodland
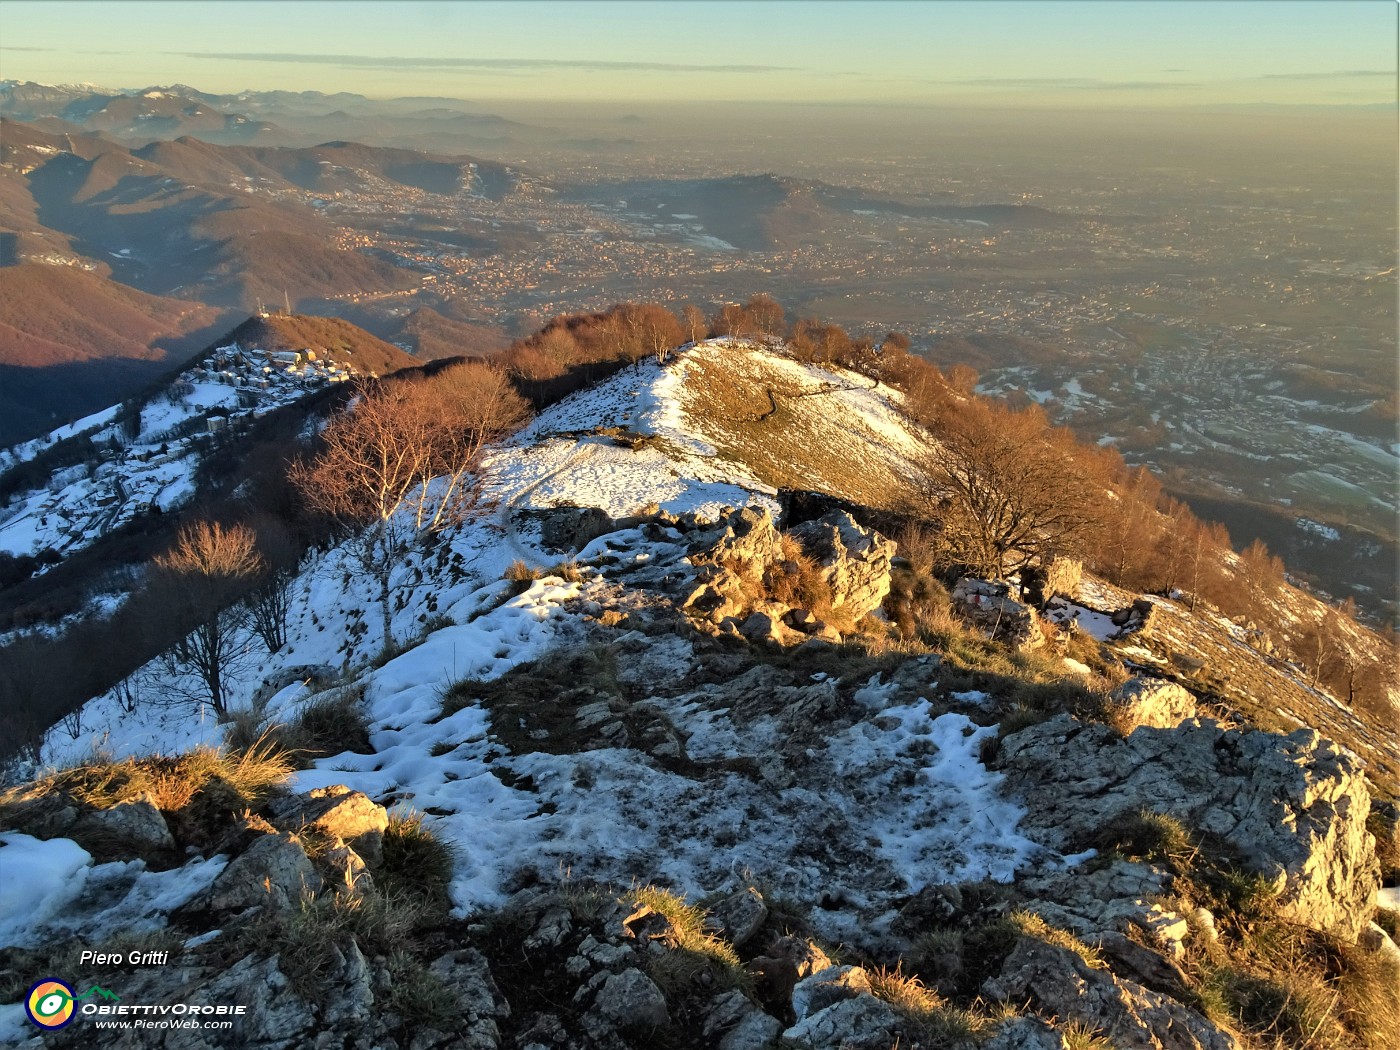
{"points": [[1005, 490]]}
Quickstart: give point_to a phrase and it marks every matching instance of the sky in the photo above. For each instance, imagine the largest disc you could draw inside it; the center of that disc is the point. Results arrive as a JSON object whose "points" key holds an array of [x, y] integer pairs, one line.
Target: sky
{"points": [[1017, 53]]}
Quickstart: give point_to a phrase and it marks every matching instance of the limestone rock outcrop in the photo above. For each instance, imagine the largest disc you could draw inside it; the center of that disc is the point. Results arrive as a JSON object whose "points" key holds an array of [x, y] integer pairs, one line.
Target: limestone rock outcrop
{"points": [[1152, 702], [737, 559], [989, 605], [336, 812], [1294, 806], [1058, 983], [854, 560]]}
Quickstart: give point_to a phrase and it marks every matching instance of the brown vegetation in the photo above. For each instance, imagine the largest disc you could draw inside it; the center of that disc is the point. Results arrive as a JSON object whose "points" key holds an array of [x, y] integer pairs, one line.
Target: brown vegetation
{"points": [[405, 459], [200, 581], [1009, 490], [1057, 494]]}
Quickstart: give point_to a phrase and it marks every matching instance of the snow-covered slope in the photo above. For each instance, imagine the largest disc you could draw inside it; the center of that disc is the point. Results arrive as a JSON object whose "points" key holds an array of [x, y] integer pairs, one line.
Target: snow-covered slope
{"points": [[641, 438], [719, 425], [622, 445]]}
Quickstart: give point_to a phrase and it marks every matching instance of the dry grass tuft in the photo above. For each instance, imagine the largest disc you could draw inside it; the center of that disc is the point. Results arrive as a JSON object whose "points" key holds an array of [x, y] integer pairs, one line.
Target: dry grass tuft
{"points": [[329, 725], [416, 862], [1145, 835], [1079, 1035], [569, 571], [310, 939], [244, 779], [415, 992], [699, 958], [519, 572], [1029, 924], [932, 1019], [797, 581]]}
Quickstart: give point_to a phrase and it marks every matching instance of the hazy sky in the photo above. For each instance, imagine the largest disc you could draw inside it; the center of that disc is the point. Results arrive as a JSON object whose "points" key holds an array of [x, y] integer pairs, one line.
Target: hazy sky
{"points": [[1111, 52]]}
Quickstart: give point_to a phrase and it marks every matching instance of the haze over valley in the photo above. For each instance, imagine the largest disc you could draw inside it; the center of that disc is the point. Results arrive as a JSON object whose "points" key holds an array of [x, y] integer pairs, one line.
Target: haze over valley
{"points": [[1213, 296]]}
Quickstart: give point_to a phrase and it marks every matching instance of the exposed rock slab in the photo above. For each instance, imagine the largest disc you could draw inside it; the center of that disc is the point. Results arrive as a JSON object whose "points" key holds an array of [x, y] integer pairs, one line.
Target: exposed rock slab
{"points": [[1152, 702], [1055, 982], [336, 812], [274, 871], [136, 825], [1294, 806]]}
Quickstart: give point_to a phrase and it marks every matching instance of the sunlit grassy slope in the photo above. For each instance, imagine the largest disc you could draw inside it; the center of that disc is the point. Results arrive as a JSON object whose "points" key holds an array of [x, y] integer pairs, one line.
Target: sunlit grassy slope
{"points": [[795, 426]]}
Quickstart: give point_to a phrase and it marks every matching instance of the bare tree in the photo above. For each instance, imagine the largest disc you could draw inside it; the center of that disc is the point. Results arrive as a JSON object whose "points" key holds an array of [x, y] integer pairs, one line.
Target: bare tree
{"points": [[201, 580], [963, 378], [1010, 489], [761, 315], [270, 599], [896, 342], [765, 315], [268, 606], [405, 460], [819, 343], [1129, 525], [640, 329], [733, 321], [659, 330], [694, 323]]}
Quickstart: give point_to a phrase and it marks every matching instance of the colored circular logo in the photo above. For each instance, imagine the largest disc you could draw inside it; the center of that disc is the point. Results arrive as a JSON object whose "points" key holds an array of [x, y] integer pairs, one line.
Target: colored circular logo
{"points": [[50, 1003]]}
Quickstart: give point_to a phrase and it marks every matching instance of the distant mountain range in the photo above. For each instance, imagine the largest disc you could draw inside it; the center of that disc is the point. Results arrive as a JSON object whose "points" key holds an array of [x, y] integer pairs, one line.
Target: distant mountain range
{"points": [[265, 118], [117, 259], [118, 256]]}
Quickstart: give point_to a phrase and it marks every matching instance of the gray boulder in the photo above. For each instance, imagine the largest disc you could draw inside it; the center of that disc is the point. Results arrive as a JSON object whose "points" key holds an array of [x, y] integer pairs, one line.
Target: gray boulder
{"points": [[554, 925], [743, 542], [336, 812], [566, 528], [273, 871], [1056, 982], [137, 826], [733, 1022], [1051, 578], [1025, 1033], [1087, 903], [861, 1023], [277, 1017], [352, 1005], [631, 999], [739, 916], [826, 987], [467, 975]]}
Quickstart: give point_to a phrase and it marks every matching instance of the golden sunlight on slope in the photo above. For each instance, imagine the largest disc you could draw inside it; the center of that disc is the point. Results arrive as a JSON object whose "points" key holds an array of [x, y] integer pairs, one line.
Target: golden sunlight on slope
{"points": [[797, 426]]}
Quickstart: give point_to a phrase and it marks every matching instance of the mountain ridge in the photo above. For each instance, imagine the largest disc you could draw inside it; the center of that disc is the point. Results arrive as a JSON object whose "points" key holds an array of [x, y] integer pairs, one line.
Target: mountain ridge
{"points": [[627, 668]]}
